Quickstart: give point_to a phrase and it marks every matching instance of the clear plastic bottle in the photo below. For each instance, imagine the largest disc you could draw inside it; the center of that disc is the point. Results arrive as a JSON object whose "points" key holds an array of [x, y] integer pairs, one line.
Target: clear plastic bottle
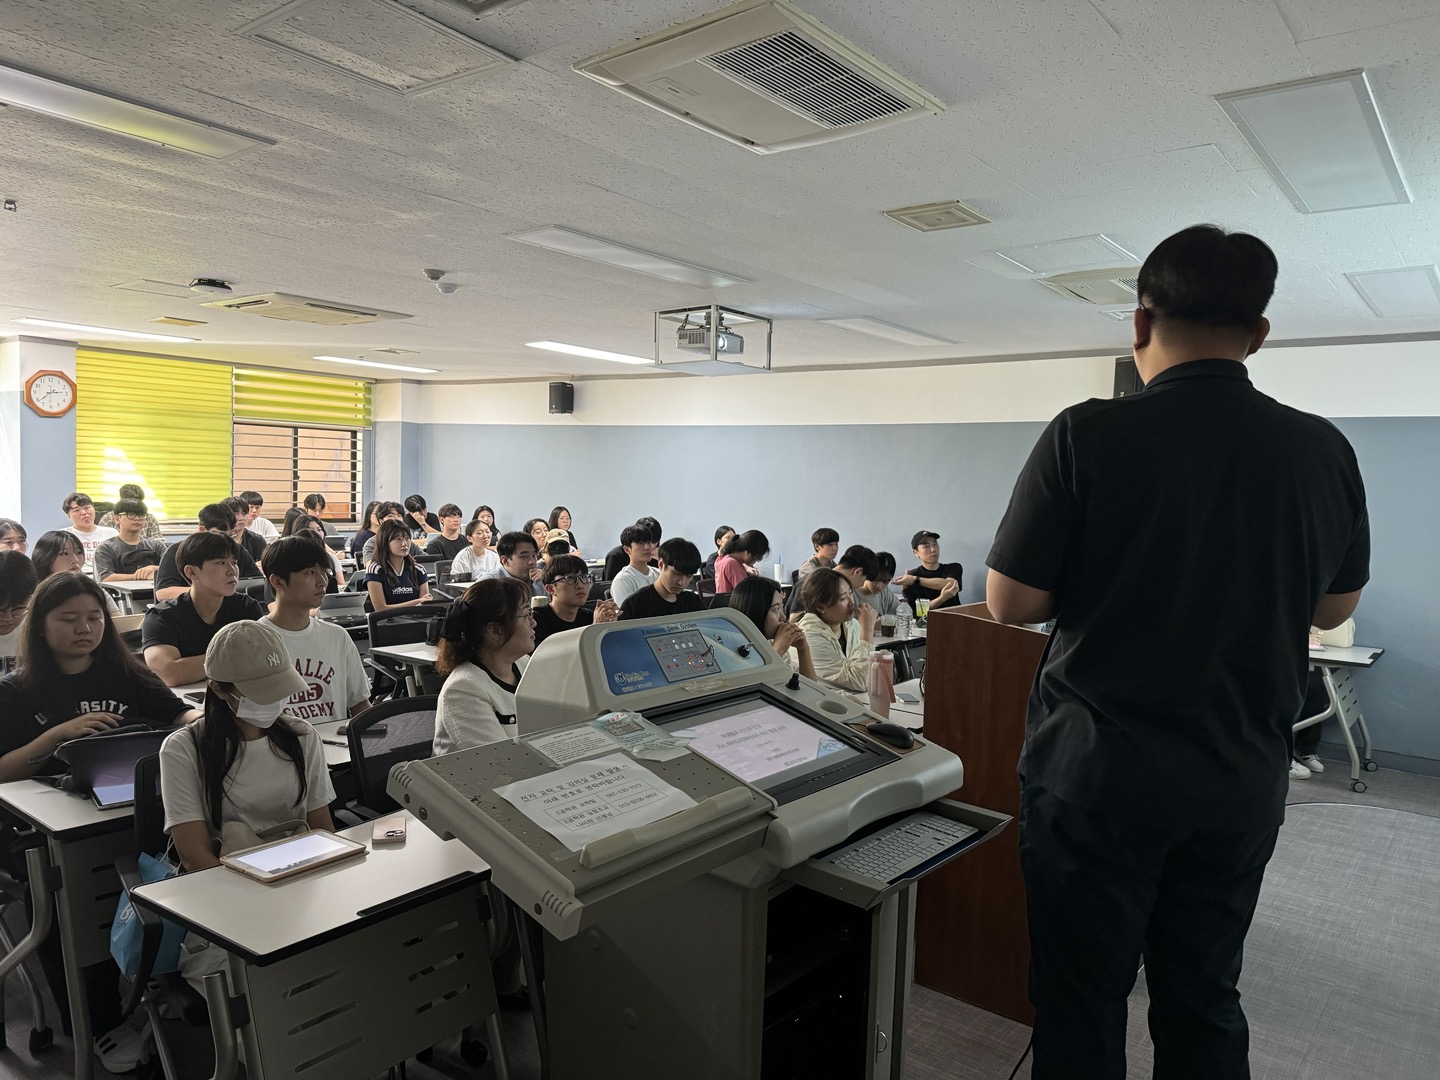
{"points": [[904, 620]]}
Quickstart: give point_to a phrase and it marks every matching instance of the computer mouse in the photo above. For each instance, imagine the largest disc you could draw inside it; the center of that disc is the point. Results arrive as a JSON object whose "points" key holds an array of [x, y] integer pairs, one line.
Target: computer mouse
{"points": [[887, 731]]}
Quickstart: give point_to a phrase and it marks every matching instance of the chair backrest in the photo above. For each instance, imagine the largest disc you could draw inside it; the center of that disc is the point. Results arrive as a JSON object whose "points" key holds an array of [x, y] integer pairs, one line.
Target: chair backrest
{"points": [[442, 570], [336, 542], [402, 626], [705, 586], [383, 735], [149, 810]]}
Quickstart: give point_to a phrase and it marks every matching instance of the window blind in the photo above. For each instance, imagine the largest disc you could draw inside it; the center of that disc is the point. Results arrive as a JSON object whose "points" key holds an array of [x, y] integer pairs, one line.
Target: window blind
{"points": [[162, 424], [285, 464], [288, 398]]}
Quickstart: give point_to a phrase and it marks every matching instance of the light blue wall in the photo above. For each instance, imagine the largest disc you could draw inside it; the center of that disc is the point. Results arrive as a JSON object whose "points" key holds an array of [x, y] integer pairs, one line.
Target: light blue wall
{"points": [[879, 484]]}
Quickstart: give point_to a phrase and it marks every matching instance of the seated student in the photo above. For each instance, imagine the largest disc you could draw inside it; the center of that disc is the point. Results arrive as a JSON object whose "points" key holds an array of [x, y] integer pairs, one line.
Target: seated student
{"points": [[876, 592], [841, 638], [81, 512], [826, 543], [567, 580], [560, 519], [932, 580], [302, 524], [668, 593], [394, 579], [858, 565], [176, 633], [368, 524], [298, 569], [520, 561], [261, 526], [616, 559], [17, 582], [60, 552], [152, 529], [479, 559], [314, 505], [422, 523], [215, 518], [487, 515], [485, 642], [448, 542], [386, 511], [639, 544], [722, 537], [252, 542], [129, 556], [555, 544], [738, 559], [13, 536], [762, 601], [538, 531]]}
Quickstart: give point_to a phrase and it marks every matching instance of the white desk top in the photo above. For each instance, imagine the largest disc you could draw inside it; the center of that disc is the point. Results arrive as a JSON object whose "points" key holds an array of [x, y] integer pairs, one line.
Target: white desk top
{"points": [[902, 712], [329, 736], [415, 653], [266, 923], [130, 586], [1353, 656], [916, 637], [59, 813]]}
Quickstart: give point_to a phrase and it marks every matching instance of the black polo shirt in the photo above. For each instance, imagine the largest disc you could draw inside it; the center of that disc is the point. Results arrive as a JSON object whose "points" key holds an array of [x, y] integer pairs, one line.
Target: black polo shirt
{"points": [[1188, 533]]}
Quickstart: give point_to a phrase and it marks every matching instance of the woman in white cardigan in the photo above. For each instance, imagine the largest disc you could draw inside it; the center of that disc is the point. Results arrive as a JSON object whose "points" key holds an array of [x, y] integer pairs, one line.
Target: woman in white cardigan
{"points": [[485, 643], [841, 633]]}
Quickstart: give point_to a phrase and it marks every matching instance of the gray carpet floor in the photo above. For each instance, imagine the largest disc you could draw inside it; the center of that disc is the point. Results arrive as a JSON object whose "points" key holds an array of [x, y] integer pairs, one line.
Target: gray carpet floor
{"points": [[1339, 978]]}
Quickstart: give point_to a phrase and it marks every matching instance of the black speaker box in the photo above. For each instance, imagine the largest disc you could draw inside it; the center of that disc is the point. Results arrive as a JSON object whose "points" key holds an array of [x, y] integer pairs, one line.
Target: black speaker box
{"points": [[562, 397], [1127, 379]]}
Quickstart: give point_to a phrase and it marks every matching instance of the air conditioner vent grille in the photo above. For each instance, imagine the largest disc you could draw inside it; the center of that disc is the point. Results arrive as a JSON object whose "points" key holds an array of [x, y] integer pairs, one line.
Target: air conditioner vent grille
{"points": [[794, 73]]}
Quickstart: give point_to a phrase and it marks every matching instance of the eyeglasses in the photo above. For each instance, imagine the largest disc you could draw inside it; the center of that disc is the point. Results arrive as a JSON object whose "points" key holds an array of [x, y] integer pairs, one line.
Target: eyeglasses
{"points": [[575, 581], [132, 517], [17, 612]]}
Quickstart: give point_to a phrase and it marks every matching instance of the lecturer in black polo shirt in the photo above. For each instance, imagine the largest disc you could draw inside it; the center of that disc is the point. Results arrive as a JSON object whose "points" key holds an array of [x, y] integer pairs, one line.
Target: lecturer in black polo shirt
{"points": [[1184, 539]]}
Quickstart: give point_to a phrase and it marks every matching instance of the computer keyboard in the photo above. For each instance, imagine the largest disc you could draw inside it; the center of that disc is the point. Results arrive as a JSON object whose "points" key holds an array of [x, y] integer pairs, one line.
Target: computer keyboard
{"points": [[899, 848]]}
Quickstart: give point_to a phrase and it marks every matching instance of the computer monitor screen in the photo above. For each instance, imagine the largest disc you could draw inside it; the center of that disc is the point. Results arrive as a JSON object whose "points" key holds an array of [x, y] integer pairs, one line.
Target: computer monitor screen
{"points": [[761, 743]]}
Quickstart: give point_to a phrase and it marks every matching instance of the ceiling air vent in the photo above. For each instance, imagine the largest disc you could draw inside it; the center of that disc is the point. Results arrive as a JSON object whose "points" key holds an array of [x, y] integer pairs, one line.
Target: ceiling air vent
{"points": [[932, 217], [1101, 287], [763, 75], [302, 309]]}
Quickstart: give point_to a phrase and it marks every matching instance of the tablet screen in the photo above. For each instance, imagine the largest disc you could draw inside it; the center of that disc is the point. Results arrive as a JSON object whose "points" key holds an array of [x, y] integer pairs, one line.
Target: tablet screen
{"points": [[108, 796], [293, 853]]}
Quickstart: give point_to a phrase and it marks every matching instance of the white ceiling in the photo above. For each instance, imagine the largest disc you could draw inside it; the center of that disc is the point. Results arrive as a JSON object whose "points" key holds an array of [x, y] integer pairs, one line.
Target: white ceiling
{"points": [[1064, 118]]}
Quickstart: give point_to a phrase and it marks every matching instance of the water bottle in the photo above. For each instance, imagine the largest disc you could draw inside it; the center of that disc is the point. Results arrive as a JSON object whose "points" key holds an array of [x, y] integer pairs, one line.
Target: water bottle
{"points": [[780, 569], [880, 685], [904, 619]]}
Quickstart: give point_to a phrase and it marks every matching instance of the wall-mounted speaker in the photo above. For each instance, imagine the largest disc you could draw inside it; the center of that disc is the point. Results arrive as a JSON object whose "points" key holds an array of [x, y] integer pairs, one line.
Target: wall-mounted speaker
{"points": [[1127, 379], [562, 397]]}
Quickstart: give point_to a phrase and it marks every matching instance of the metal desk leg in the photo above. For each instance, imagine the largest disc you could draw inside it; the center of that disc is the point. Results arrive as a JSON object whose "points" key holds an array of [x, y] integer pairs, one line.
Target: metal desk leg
{"points": [[1340, 687]]}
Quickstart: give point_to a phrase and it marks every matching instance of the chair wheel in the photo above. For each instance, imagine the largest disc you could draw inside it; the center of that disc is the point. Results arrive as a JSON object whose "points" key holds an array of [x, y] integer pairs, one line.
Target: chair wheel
{"points": [[1370, 765], [41, 1039], [1357, 786], [475, 1052]]}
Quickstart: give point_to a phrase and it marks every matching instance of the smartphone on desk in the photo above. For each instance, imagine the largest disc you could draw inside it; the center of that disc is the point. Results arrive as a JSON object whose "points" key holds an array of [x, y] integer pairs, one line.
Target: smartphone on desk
{"points": [[389, 830]]}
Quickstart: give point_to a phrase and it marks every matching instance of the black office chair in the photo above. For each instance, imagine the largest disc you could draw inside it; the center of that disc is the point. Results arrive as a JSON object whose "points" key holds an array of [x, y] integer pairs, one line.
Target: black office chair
{"points": [[398, 626], [381, 737], [441, 573]]}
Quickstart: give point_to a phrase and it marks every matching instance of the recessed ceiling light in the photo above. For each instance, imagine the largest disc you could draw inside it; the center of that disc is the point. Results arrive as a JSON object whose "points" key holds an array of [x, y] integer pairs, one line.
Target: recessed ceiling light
{"points": [[54, 98], [876, 328], [101, 331], [593, 354], [175, 320], [1072, 253], [374, 364], [569, 242], [1322, 140], [1406, 292]]}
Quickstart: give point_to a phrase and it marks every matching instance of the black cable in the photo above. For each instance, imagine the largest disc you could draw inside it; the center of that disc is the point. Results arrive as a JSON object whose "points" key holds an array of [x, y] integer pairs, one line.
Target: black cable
{"points": [[1023, 1056]]}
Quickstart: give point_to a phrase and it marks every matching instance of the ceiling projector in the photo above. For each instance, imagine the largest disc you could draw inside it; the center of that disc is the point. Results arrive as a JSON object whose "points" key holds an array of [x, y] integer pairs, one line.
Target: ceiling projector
{"points": [[697, 339]]}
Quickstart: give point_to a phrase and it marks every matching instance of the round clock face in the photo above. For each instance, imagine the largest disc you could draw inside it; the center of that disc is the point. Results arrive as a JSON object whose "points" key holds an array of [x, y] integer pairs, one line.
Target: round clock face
{"points": [[52, 394]]}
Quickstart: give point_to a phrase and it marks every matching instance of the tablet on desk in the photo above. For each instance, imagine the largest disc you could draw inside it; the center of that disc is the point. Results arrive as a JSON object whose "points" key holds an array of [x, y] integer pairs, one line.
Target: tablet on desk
{"points": [[281, 859]]}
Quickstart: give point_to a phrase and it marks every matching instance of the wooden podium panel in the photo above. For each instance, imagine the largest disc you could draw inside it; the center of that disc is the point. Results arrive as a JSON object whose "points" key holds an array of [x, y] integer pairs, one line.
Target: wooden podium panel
{"points": [[972, 938]]}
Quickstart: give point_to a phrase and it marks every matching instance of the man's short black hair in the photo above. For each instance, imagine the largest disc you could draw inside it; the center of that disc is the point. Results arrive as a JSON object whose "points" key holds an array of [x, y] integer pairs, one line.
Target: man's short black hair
{"points": [[863, 559], [450, 510], [886, 562], [636, 534], [654, 527], [314, 501], [508, 542], [563, 566], [130, 506], [291, 554], [252, 498], [822, 536], [414, 503], [237, 506], [680, 554], [74, 499], [199, 548], [132, 491], [217, 516], [1205, 276], [385, 509], [17, 579]]}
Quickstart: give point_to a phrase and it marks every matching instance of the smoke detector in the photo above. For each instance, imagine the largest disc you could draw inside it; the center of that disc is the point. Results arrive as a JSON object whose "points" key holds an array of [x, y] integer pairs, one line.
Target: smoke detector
{"points": [[213, 286]]}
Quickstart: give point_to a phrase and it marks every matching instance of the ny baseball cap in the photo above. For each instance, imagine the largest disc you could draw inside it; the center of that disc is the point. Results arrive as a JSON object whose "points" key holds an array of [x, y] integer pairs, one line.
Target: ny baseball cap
{"points": [[922, 536], [252, 655]]}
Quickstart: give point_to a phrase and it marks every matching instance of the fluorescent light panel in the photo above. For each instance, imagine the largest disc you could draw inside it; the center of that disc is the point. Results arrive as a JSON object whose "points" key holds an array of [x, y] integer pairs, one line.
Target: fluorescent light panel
{"points": [[1322, 140], [593, 354], [876, 328], [375, 364], [101, 331], [39, 94], [592, 248], [1406, 292]]}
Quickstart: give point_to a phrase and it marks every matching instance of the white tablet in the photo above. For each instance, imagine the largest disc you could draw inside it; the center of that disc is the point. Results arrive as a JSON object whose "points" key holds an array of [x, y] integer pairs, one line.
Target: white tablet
{"points": [[281, 859]]}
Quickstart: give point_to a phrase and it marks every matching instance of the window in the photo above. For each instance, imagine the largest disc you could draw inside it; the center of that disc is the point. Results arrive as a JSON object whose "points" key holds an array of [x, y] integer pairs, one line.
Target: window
{"points": [[285, 463]]}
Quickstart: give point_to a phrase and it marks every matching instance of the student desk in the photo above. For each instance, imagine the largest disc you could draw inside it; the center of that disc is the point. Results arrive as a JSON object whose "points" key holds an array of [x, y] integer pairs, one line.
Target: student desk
{"points": [[337, 748], [345, 971], [418, 656], [132, 595], [903, 648], [1335, 664], [82, 844]]}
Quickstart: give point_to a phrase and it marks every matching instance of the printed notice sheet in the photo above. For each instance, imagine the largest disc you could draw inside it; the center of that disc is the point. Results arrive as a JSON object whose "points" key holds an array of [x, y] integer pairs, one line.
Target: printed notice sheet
{"points": [[587, 801]]}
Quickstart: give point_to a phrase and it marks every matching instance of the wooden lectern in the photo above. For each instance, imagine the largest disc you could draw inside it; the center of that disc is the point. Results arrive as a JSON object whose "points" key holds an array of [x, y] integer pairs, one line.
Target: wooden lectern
{"points": [[972, 938]]}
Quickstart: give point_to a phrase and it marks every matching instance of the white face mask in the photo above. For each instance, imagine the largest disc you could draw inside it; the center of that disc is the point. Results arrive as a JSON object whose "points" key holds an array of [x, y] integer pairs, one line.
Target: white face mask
{"points": [[262, 716]]}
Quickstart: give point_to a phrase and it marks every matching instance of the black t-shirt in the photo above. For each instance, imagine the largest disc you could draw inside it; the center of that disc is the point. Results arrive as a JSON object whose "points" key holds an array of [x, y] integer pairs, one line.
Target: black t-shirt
{"points": [[176, 622], [446, 549], [547, 622], [358, 542], [134, 693], [1188, 533], [615, 561], [916, 591], [254, 545], [416, 532], [647, 603], [169, 575]]}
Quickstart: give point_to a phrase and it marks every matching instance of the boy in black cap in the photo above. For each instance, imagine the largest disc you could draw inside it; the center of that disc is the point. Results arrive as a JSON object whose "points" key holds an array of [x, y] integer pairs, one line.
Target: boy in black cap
{"points": [[932, 580]]}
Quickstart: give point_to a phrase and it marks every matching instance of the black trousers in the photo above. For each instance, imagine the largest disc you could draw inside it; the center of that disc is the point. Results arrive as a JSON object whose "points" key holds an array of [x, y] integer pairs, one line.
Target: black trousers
{"points": [[1102, 892]]}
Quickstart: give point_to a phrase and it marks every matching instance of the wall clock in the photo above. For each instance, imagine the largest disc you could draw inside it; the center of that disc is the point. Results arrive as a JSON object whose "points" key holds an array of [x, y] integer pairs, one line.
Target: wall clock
{"points": [[50, 393]]}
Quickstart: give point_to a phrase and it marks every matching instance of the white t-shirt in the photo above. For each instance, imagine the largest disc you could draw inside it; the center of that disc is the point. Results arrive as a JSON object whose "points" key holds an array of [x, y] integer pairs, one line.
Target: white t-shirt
{"points": [[9, 643], [261, 788], [92, 540], [328, 661], [629, 581], [265, 529], [477, 567]]}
